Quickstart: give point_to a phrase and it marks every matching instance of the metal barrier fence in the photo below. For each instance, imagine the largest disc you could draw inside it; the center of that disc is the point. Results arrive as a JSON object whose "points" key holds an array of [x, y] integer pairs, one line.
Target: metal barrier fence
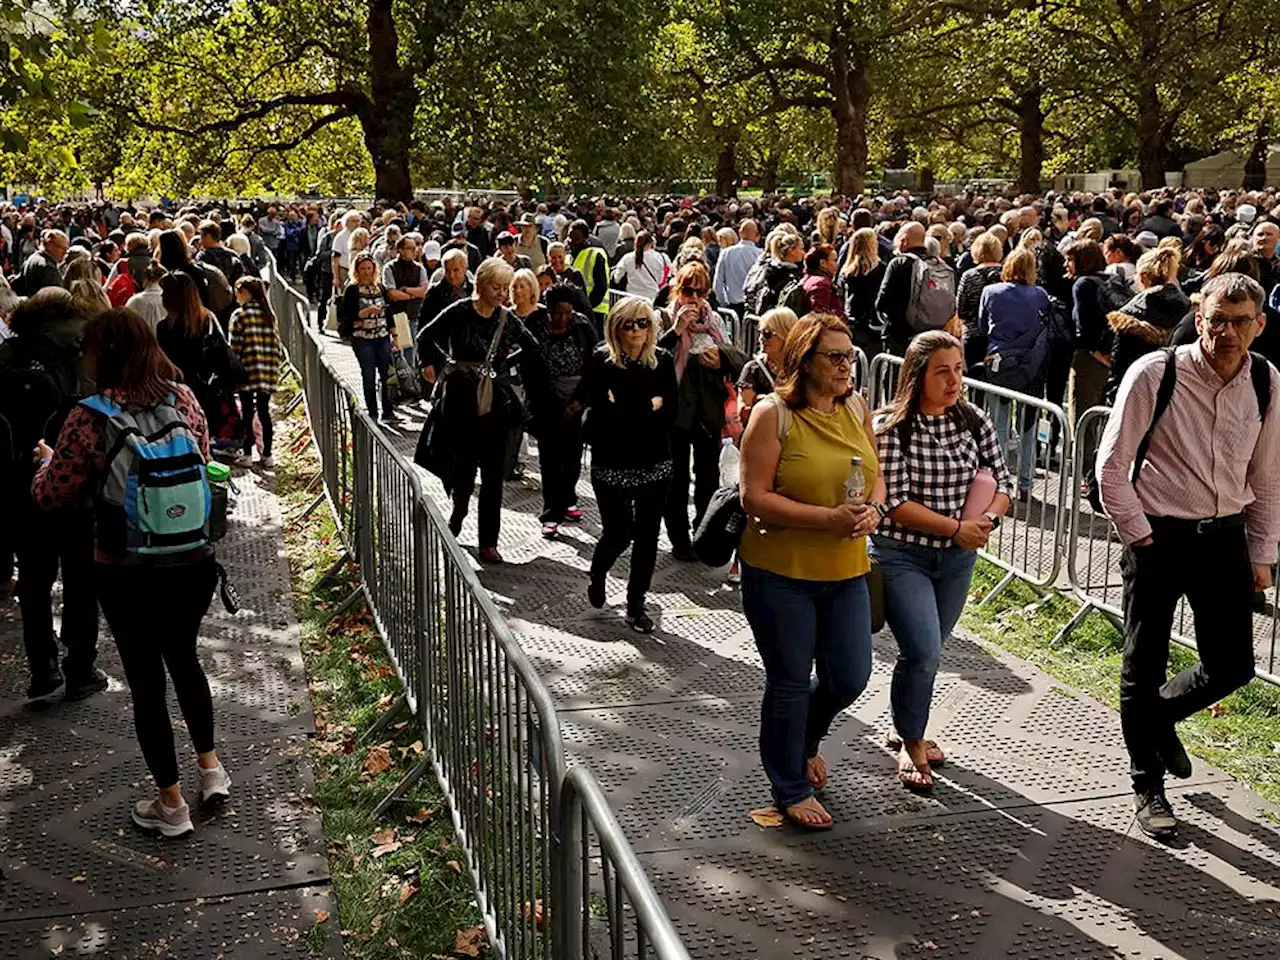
{"points": [[1028, 544], [610, 937], [1093, 562], [490, 731]]}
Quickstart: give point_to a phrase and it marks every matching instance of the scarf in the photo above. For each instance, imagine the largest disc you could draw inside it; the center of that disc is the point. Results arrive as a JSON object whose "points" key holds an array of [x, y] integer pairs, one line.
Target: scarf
{"points": [[708, 323]]}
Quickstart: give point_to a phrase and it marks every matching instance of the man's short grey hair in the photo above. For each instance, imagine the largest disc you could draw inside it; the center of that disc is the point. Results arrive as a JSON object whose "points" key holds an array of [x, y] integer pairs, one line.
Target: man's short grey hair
{"points": [[452, 255], [1232, 288]]}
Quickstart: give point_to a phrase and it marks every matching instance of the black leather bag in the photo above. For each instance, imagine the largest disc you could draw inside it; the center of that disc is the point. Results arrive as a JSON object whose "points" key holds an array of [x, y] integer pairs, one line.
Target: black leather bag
{"points": [[720, 532]]}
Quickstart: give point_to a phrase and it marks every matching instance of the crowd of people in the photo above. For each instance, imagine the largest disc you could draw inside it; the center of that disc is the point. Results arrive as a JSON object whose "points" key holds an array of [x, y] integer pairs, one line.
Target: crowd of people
{"points": [[505, 311]]}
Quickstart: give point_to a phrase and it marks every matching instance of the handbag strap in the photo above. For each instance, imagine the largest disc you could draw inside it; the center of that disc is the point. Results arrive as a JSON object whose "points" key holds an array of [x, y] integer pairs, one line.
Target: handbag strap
{"points": [[497, 339]]}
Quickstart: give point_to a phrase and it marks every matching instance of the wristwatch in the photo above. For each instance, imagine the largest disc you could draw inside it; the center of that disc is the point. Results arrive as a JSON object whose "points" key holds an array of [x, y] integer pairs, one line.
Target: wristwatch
{"points": [[880, 508], [995, 520]]}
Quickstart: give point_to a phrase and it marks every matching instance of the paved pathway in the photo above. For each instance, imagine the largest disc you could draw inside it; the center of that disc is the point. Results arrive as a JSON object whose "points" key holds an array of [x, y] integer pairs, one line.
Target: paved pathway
{"points": [[77, 879], [1027, 847]]}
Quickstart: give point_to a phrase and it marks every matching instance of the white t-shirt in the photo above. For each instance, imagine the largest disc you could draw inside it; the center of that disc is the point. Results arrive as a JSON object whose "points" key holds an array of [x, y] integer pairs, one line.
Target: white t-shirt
{"points": [[643, 280], [342, 248]]}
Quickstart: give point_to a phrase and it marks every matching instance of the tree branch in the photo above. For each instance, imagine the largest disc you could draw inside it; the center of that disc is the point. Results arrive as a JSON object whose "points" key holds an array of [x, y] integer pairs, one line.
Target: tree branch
{"points": [[354, 101]]}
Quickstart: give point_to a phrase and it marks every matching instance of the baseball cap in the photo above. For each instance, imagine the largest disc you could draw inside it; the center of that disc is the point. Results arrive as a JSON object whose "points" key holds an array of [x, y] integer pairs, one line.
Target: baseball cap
{"points": [[431, 250], [1246, 213], [528, 220], [459, 228], [1147, 239]]}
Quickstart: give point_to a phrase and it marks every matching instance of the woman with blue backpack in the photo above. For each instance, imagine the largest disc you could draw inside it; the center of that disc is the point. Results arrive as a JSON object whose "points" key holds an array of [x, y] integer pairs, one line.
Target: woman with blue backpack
{"points": [[140, 446]]}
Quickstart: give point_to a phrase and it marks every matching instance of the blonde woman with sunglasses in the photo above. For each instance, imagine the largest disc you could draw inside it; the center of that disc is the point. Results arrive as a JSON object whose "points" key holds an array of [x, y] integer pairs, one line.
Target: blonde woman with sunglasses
{"points": [[631, 402]]}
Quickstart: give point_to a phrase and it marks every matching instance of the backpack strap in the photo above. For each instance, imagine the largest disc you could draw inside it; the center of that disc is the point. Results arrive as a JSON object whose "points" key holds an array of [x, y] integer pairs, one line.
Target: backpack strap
{"points": [[1260, 374], [101, 404], [1164, 394]]}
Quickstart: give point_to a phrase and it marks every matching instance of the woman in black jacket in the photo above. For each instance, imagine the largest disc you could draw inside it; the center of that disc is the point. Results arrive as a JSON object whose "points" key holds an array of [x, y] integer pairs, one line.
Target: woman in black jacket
{"points": [[1147, 321], [631, 402], [705, 365], [175, 256], [568, 340], [181, 335], [987, 251], [859, 283]]}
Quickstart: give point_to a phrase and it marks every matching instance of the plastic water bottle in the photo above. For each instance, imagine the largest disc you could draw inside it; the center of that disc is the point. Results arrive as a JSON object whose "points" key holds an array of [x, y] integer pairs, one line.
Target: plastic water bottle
{"points": [[855, 483], [219, 476]]}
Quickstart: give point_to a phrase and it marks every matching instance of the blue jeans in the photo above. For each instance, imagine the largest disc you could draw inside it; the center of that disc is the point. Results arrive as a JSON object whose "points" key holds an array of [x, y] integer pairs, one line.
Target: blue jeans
{"points": [[795, 623], [1023, 460], [374, 356], [924, 592]]}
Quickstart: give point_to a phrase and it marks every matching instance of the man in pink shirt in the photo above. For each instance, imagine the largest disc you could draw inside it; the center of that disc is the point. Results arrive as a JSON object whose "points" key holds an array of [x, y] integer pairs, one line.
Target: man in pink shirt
{"points": [[1187, 473]]}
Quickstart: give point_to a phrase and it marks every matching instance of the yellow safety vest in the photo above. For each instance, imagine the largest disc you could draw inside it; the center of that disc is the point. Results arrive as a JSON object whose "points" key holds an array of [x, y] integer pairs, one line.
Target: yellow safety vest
{"points": [[585, 263]]}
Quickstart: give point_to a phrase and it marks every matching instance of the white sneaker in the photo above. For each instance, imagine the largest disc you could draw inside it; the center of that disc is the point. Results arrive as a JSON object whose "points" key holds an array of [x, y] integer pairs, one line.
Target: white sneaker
{"points": [[215, 785], [154, 816]]}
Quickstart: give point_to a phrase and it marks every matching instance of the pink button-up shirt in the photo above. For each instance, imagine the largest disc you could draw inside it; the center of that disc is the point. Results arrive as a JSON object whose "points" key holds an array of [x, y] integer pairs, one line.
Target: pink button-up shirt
{"points": [[1209, 455]]}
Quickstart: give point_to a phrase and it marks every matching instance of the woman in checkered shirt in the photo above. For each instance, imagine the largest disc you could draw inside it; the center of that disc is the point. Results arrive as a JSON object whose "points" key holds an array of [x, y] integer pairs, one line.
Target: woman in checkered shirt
{"points": [[932, 445]]}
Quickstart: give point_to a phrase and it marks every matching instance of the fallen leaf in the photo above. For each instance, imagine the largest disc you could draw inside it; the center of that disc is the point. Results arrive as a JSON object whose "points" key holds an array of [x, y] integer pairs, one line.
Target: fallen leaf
{"points": [[376, 923], [385, 835], [454, 865], [79, 879], [928, 945], [469, 942], [416, 747], [1217, 710], [407, 891], [377, 761], [384, 849], [767, 817], [536, 912], [422, 816], [818, 892], [322, 916]]}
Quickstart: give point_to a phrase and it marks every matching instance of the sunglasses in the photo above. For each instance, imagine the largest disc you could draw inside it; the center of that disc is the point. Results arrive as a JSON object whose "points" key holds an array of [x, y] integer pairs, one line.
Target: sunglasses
{"points": [[838, 358], [694, 291], [766, 336], [629, 325]]}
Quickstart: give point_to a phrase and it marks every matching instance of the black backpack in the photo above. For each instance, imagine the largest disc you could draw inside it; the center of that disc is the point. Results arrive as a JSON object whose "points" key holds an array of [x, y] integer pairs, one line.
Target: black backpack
{"points": [[1259, 374], [37, 389]]}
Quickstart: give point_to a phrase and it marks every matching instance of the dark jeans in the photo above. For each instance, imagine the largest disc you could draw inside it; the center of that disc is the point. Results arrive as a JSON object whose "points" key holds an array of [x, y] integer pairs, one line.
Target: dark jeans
{"points": [[262, 400], [374, 356], [154, 614], [560, 461], [43, 542], [629, 516], [1212, 571], [797, 623], [485, 452], [924, 593], [706, 472]]}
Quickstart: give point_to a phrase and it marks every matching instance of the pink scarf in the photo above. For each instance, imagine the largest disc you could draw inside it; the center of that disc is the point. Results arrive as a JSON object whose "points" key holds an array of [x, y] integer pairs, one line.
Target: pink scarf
{"points": [[709, 323]]}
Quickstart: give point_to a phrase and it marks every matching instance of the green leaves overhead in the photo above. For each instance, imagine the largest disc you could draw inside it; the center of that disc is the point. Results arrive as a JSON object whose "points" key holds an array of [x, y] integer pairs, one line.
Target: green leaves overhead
{"points": [[358, 96]]}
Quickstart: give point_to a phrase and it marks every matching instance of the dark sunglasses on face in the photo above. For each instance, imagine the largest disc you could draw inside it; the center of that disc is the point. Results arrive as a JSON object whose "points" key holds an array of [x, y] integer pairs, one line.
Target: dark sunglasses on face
{"points": [[629, 325], [838, 358], [694, 291], [766, 336]]}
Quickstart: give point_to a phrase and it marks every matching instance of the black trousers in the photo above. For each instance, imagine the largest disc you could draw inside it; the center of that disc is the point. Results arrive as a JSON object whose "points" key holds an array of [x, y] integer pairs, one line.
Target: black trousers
{"points": [[485, 452], [154, 614], [629, 516], [560, 461], [44, 541], [1212, 570], [248, 400], [706, 479]]}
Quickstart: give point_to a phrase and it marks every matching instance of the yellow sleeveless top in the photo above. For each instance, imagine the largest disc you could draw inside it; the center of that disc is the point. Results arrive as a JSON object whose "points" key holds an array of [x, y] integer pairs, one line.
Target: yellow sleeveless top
{"points": [[816, 454]]}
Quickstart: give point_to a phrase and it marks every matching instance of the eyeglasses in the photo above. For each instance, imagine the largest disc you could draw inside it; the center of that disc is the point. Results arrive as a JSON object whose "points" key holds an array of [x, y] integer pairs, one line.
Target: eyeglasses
{"points": [[766, 336], [641, 324], [838, 358], [694, 291], [1239, 324]]}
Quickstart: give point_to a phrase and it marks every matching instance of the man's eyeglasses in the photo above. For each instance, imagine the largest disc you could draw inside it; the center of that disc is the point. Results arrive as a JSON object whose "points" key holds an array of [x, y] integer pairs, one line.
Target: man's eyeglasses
{"points": [[641, 324], [838, 358], [1239, 324]]}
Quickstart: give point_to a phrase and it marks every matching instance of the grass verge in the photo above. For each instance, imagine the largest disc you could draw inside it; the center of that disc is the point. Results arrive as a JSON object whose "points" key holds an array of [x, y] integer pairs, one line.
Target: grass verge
{"points": [[401, 884], [1241, 735]]}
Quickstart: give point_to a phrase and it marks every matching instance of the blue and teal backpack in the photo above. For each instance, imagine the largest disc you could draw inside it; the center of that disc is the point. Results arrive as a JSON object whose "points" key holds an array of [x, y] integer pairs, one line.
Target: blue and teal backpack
{"points": [[154, 501]]}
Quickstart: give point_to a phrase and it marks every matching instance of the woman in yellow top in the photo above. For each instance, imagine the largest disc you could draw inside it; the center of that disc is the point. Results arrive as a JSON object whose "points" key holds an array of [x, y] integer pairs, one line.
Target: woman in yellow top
{"points": [[804, 555]]}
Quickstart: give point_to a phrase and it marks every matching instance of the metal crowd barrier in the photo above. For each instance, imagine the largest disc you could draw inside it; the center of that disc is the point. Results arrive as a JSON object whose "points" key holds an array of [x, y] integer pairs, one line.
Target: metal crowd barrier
{"points": [[1028, 544], [490, 731], [1093, 562], [633, 921]]}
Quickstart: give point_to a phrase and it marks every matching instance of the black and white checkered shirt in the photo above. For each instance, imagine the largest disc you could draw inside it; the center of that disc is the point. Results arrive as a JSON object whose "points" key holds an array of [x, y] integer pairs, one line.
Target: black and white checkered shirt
{"points": [[936, 470]]}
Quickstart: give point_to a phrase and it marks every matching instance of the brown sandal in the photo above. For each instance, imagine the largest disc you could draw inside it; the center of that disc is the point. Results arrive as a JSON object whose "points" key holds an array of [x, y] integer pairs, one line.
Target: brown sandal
{"points": [[815, 770], [936, 757], [912, 777], [818, 819]]}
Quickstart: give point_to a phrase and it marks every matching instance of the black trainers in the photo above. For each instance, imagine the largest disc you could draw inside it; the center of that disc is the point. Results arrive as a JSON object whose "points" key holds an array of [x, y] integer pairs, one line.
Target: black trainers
{"points": [[82, 687], [684, 554], [1154, 815], [45, 687], [595, 593], [639, 621], [1173, 755]]}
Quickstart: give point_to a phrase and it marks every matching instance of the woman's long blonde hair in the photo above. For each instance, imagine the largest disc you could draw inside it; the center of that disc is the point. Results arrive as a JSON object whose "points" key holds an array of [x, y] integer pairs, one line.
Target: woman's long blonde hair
{"points": [[631, 308], [864, 253]]}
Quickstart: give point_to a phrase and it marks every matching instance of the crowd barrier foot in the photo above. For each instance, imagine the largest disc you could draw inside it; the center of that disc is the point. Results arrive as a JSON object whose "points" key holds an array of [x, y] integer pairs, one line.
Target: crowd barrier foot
{"points": [[998, 589], [406, 783], [1069, 627], [384, 719], [343, 607], [294, 404], [311, 508]]}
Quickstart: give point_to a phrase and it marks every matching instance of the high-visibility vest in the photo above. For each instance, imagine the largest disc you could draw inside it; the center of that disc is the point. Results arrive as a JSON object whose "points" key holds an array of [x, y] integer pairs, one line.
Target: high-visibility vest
{"points": [[585, 264]]}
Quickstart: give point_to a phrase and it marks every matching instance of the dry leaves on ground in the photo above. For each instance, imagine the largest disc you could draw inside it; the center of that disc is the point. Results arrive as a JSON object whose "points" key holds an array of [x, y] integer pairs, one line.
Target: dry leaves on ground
{"points": [[422, 816], [469, 943], [322, 916], [383, 849], [454, 865], [407, 891], [767, 817], [385, 835], [378, 760]]}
